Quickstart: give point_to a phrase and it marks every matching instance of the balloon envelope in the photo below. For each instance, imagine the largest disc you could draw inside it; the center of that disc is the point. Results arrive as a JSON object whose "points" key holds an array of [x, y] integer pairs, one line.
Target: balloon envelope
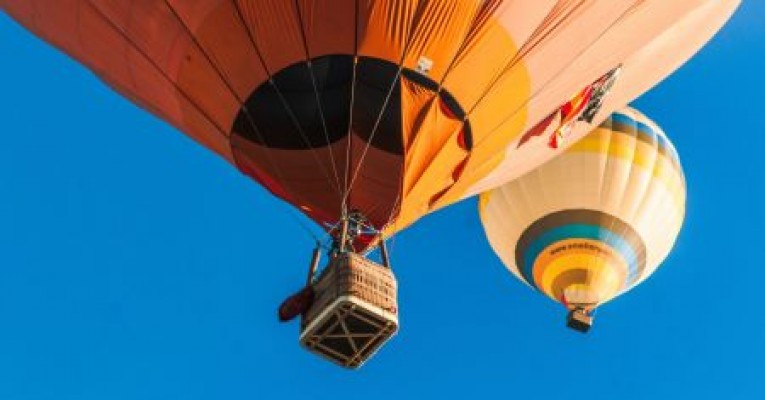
{"points": [[393, 108], [595, 221]]}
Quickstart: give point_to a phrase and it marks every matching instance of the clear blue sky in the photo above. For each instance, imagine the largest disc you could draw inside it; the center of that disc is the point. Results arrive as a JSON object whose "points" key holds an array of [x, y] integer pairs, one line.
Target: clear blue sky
{"points": [[136, 265]]}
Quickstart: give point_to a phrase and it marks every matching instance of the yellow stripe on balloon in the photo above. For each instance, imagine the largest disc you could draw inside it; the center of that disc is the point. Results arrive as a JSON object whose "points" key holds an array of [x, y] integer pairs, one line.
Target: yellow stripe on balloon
{"points": [[583, 293], [639, 154], [623, 146], [601, 262], [601, 278], [546, 258]]}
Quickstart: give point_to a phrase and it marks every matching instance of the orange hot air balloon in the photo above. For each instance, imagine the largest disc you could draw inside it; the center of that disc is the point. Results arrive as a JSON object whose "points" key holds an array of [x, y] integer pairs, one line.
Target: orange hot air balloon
{"points": [[390, 108]]}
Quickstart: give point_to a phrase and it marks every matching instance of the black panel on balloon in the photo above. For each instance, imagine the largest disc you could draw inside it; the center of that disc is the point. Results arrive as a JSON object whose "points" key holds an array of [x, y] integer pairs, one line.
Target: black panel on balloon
{"points": [[285, 114], [290, 118]]}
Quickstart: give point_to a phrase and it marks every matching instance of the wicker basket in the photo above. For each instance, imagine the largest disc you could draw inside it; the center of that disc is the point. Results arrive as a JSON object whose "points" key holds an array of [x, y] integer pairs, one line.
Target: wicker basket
{"points": [[354, 311], [578, 320]]}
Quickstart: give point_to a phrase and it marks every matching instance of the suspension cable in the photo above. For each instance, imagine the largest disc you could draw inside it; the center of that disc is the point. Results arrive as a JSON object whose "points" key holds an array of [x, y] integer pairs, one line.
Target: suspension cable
{"points": [[244, 108], [349, 135], [282, 98], [317, 96], [493, 131], [415, 22]]}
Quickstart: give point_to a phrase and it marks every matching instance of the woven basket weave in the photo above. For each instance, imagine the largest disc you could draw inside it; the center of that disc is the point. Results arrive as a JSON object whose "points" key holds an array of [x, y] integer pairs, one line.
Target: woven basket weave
{"points": [[354, 310]]}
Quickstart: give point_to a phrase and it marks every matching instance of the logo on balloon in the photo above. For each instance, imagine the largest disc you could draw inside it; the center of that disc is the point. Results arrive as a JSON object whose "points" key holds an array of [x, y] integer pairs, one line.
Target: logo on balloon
{"points": [[584, 106]]}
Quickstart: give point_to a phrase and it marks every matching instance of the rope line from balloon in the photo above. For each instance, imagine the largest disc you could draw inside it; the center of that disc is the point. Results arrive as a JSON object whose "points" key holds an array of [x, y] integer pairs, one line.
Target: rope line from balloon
{"points": [[285, 104], [224, 79], [532, 42], [493, 131], [453, 61], [349, 141], [190, 100], [317, 97], [464, 42], [244, 108], [185, 95], [297, 217], [221, 74], [134, 45], [415, 22]]}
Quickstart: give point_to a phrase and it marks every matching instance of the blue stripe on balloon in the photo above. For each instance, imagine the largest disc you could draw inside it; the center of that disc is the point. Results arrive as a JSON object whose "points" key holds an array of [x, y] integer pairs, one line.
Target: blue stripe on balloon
{"points": [[662, 141], [578, 231]]}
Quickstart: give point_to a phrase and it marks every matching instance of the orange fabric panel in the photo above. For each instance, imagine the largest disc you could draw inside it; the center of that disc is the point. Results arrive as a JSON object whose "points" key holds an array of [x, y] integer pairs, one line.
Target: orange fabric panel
{"points": [[172, 49], [218, 27], [427, 191], [565, 36], [501, 65], [440, 32], [479, 64], [566, 32], [482, 160], [294, 175], [63, 14], [431, 129], [377, 184], [536, 14], [275, 29], [505, 105], [83, 31], [329, 26], [114, 55], [667, 32], [438, 175], [388, 26]]}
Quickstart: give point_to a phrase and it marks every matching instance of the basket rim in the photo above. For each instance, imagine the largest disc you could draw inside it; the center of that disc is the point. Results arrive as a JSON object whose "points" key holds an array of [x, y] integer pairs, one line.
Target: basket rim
{"points": [[393, 317]]}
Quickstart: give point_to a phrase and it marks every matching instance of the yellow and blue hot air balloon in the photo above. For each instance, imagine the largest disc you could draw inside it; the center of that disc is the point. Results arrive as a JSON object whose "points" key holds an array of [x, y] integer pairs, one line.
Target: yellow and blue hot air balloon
{"points": [[594, 222]]}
